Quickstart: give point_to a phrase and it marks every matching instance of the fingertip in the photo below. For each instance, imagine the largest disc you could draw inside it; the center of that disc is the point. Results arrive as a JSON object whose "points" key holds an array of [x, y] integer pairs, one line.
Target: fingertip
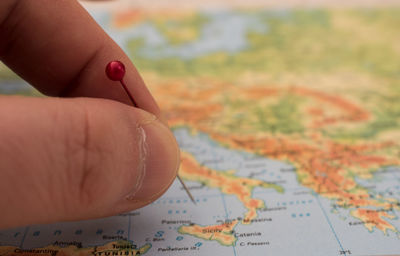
{"points": [[161, 161], [149, 160]]}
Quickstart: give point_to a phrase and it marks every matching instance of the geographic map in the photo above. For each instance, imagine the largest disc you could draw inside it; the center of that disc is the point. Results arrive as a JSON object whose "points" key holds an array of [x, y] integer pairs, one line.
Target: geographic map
{"points": [[289, 124]]}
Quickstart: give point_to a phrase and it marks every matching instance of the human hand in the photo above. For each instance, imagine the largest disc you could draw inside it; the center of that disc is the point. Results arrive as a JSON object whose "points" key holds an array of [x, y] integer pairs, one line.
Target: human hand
{"points": [[80, 156]]}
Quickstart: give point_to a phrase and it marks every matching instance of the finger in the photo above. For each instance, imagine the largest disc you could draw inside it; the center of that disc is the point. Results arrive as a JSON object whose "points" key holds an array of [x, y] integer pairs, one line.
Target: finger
{"points": [[71, 159], [58, 48]]}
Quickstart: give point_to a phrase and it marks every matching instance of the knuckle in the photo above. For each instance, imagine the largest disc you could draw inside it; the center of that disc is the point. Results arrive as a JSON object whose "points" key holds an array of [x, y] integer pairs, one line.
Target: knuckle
{"points": [[84, 156]]}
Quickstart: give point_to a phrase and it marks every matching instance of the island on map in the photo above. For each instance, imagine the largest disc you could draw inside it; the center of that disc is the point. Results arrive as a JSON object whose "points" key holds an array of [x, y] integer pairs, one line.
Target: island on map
{"points": [[223, 233]]}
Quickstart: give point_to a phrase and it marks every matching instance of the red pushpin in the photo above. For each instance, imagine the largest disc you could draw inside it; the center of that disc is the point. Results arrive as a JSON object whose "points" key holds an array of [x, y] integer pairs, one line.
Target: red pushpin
{"points": [[115, 71]]}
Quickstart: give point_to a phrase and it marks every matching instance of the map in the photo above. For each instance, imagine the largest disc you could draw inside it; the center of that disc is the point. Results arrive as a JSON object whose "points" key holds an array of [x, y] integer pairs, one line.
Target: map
{"points": [[288, 118]]}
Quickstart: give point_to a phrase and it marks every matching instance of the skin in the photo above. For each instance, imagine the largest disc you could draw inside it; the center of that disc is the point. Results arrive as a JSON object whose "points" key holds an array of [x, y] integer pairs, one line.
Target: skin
{"points": [[75, 155]]}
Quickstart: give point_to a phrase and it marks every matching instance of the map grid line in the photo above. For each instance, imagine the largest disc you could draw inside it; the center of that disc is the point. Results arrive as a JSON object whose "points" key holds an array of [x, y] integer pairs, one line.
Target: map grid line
{"points": [[227, 217], [329, 222], [224, 204]]}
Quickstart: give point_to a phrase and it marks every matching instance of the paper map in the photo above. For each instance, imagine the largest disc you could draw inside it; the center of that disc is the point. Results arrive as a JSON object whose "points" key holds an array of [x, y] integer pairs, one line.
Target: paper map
{"points": [[288, 119]]}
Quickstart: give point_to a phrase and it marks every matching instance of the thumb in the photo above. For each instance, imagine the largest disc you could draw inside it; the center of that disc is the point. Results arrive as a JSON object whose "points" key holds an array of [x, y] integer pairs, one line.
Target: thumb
{"points": [[71, 159]]}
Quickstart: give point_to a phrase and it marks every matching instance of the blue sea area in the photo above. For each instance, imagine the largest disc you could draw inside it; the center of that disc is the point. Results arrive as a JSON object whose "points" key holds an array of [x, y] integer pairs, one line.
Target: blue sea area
{"points": [[223, 31]]}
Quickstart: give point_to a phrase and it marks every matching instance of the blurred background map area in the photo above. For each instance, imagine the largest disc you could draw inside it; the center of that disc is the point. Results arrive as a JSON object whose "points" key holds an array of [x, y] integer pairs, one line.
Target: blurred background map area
{"points": [[288, 118]]}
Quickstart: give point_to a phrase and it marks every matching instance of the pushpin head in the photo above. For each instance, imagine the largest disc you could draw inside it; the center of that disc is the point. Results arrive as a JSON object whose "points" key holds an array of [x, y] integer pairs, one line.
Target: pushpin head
{"points": [[115, 70]]}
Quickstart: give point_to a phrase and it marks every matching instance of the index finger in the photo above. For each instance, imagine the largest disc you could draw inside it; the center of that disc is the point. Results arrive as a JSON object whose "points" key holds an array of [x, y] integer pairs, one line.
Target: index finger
{"points": [[57, 47]]}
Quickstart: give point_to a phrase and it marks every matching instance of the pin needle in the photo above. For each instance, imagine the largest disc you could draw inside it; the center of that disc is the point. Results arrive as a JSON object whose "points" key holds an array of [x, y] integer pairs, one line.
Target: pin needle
{"points": [[115, 71], [186, 189]]}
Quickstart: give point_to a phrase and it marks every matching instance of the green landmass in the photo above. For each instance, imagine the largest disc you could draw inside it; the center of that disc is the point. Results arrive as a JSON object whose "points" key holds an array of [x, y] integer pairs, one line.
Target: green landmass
{"points": [[281, 115], [296, 41]]}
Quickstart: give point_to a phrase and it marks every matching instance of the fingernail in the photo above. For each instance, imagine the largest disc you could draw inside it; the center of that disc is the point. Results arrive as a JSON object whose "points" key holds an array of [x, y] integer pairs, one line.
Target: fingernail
{"points": [[159, 163]]}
